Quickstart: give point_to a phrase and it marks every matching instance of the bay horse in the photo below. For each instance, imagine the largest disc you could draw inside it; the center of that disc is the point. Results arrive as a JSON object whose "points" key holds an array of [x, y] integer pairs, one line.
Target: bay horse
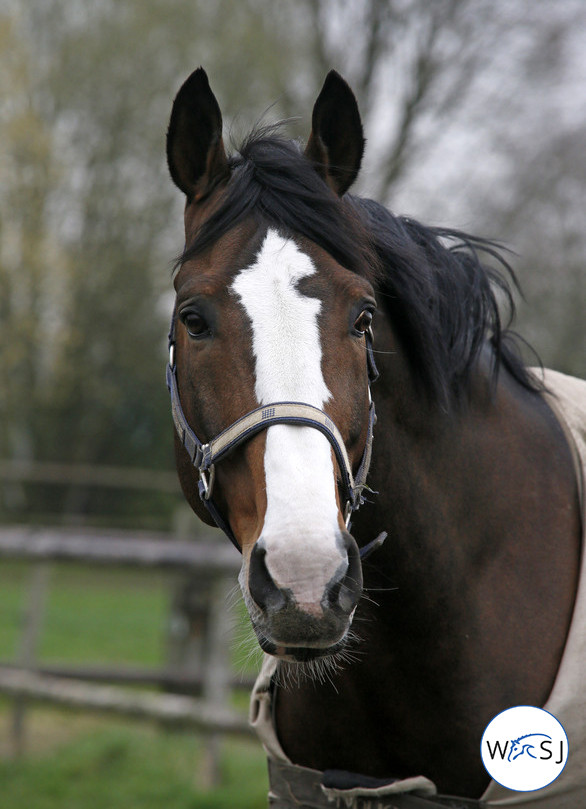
{"points": [[390, 656]]}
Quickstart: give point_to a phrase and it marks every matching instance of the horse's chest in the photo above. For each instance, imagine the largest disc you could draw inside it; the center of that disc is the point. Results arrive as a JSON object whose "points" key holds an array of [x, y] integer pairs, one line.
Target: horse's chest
{"points": [[322, 728]]}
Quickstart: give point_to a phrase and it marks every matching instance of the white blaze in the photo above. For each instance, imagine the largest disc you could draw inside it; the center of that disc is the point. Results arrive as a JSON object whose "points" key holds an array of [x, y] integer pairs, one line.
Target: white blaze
{"points": [[301, 521]]}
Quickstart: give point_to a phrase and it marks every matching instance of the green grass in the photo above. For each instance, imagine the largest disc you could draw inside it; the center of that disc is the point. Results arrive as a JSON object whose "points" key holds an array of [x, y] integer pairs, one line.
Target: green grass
{"points": [[106, 616], [123, 767], [92, 615], [76, 761]]}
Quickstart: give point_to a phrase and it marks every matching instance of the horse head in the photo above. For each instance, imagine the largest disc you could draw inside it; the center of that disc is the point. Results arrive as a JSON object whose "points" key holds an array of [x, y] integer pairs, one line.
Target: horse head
{"points": [[270, 345]]}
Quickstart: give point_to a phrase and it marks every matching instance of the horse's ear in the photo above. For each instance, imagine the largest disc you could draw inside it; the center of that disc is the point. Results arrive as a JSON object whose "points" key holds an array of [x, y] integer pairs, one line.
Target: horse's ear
{"points": [[195, 150], [336, 142]]}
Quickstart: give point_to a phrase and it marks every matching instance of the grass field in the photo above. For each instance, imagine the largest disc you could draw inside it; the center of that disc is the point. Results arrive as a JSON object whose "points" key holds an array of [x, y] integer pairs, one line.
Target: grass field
{"points": [[76, 761], [99, 765]]}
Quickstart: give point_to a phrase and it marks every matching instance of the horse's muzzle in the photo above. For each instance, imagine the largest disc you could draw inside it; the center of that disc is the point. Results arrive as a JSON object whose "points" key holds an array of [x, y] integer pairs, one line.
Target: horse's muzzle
{"points": [[289, 628]]}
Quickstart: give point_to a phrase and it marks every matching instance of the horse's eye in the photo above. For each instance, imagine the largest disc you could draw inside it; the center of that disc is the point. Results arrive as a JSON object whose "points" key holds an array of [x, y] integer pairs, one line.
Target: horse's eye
{"points": [[363, 321], [195, 324]]}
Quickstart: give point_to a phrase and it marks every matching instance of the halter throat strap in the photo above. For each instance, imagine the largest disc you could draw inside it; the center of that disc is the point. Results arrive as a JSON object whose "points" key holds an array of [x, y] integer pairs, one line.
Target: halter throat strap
{"points": [[204, 456]]}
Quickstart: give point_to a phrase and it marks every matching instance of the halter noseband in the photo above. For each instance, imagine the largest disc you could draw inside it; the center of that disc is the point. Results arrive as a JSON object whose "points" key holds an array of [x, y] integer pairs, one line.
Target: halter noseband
{"points": [[205, 456]]}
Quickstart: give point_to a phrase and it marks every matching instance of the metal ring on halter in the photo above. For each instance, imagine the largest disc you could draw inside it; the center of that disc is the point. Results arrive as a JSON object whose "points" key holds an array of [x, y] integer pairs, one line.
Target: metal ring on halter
{"points": [[348, 514], [207, 480]]}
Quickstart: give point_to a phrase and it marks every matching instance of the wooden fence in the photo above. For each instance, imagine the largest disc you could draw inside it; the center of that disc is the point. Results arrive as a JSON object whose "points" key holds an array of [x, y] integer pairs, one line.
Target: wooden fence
{"points": [[211, 565]]}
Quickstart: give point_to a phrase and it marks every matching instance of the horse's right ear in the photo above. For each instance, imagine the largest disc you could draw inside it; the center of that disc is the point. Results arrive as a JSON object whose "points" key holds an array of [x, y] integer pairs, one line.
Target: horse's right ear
{"points": [[195, 150]]}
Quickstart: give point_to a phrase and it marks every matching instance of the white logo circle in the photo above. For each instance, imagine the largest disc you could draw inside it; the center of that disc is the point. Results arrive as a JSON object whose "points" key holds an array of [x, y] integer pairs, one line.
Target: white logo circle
{"points": [[524, 748]]}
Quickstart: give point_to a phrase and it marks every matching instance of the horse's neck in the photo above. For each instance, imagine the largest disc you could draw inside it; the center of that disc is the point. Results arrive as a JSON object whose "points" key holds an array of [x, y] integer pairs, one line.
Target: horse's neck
{"points": [[496, 467], [480, 508]]}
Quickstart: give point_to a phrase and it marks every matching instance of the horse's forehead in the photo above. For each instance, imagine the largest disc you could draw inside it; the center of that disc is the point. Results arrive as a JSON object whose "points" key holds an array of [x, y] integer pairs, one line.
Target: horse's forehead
{"points": [[291, 275], [279, 259], [295, 262], [217, 265], [286, 261], [269, 286], [279, 262]]}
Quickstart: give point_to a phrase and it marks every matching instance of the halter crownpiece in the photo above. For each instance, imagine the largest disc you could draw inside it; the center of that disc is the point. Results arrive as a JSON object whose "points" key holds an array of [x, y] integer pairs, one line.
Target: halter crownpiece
{"points": [[204, 456]]}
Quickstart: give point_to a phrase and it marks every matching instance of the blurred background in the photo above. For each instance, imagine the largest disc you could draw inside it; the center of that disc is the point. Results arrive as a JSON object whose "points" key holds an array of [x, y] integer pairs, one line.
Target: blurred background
{"points": [[475, 117]]}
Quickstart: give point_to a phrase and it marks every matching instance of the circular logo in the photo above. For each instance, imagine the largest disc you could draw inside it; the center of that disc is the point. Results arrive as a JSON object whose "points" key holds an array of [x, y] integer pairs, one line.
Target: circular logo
{"points": [[524, 748]]}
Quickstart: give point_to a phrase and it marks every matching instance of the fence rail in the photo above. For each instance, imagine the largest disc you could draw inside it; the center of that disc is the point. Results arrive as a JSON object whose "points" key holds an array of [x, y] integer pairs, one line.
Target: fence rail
{"points": [[117, 548], [170, 709], [111, 477], [129, 675]]}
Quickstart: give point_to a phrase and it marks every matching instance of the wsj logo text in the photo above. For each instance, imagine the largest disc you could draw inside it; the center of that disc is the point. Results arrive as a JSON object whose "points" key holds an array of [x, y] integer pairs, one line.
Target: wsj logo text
{"points": [[534, 745]]}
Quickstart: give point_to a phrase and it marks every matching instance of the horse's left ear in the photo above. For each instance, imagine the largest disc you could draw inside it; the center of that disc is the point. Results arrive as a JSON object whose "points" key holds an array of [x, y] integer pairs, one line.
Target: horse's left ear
{"points": [[195, 150], [336, 143]]}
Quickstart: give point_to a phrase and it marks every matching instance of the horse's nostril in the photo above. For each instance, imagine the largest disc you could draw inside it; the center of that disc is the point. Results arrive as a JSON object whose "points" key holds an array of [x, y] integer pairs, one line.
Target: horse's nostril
{"points": [[261, 586], [345, 591], [346, 599], [340, 597]]}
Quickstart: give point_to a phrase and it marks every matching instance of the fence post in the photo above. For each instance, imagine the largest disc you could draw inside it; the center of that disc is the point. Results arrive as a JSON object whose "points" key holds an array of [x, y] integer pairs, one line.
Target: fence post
{"points": [[199, 642], [33, 617], [216, 672]]}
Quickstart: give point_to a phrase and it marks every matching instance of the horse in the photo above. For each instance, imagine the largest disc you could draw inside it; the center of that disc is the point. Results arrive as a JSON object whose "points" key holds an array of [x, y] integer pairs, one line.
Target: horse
{"points": [[394, 632]]}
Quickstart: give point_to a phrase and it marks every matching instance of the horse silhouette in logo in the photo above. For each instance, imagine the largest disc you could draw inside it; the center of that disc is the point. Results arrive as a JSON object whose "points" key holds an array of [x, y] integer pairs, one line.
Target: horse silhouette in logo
{"points": [[519, 746]]}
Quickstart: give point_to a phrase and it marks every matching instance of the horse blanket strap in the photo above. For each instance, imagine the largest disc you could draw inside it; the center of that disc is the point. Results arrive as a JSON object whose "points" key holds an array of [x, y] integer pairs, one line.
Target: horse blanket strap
{"points": [[293, 787], [204, 456]]}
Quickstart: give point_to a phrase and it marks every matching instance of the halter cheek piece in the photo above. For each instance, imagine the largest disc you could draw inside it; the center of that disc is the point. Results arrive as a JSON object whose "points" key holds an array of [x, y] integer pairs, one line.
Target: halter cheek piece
{"points": [[205, 456]]}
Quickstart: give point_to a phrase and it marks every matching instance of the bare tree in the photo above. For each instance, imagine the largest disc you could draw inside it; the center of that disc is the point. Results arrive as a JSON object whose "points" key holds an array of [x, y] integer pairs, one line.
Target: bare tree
{"points": [[409, 61]]}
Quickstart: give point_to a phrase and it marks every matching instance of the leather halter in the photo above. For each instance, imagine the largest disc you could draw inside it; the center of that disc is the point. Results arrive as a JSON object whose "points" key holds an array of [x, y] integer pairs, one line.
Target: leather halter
{"points": [[204, 456]]}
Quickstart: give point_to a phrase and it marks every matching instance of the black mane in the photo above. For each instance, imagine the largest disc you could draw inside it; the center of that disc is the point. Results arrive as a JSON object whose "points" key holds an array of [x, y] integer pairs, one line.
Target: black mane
{"points": [[443, 300]]}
